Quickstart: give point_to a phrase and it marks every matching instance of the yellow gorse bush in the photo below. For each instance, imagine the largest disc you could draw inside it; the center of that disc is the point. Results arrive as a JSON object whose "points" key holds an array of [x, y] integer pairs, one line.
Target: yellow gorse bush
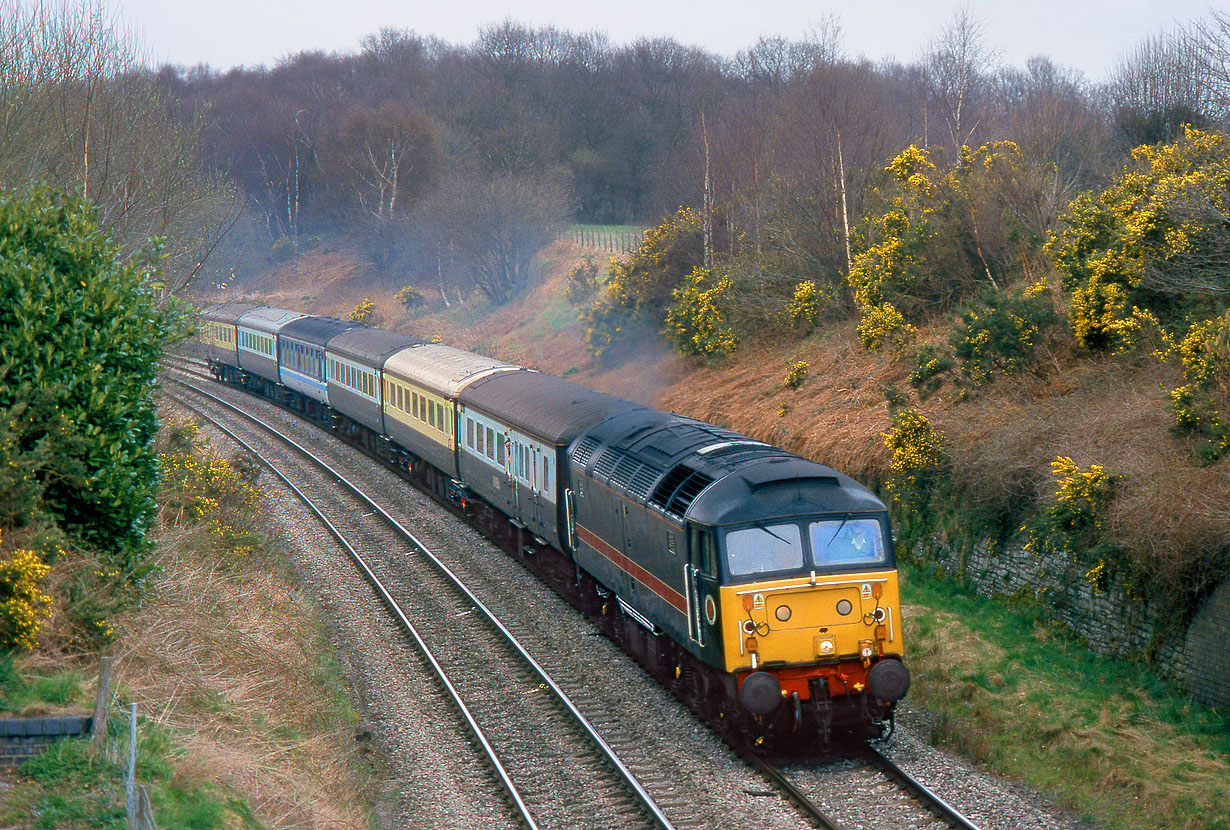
{"points": [[796, 373], [699, 319], [1198, 406], [210, 490], [363, 312], [24, 608]]}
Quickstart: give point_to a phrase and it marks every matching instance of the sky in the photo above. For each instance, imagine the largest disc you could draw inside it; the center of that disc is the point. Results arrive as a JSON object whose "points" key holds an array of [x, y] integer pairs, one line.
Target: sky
{"points": [[1089, 35]]}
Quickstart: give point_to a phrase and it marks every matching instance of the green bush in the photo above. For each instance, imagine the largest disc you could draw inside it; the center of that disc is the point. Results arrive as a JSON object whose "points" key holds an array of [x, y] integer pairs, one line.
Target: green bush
{"points": [[699, 320], [80, 337], [1001, 332]]}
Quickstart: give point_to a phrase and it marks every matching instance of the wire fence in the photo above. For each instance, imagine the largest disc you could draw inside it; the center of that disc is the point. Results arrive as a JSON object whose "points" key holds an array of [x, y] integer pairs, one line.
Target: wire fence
{"points": [[137, 807], [615, 240]]}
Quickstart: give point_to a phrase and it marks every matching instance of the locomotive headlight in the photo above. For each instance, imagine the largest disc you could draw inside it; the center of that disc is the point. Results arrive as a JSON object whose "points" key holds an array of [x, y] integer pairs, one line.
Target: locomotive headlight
{"points": [[782, 613], [844, 607]]}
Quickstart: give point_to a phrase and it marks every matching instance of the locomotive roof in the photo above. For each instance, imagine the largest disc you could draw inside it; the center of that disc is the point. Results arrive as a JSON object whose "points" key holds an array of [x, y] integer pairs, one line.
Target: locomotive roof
{"points": [[688, 468], [371, 347], [315, 329], [443, 369], [543, 405], [226, 312], [268, 320]]}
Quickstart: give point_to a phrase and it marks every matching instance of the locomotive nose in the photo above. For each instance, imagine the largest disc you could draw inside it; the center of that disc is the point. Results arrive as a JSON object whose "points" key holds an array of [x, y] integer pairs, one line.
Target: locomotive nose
{"points": [[760, 693]]}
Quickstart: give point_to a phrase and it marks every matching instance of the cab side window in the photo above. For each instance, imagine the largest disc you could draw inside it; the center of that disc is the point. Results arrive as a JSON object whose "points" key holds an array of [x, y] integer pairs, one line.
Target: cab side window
{"points": [[703, 553]]}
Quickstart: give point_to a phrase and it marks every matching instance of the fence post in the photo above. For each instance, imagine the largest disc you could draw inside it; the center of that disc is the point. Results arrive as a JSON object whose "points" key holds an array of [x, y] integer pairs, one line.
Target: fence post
{"points": [[130, 788], [100, 705]]}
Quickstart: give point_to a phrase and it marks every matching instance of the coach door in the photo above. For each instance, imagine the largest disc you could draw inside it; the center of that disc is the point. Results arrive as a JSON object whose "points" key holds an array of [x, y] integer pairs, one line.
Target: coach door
{"points": [[510, 474]]}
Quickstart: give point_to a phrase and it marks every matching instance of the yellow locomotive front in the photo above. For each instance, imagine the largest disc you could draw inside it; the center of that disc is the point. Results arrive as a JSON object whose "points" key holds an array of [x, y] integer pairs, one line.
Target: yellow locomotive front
{"points": [[811, 617]]}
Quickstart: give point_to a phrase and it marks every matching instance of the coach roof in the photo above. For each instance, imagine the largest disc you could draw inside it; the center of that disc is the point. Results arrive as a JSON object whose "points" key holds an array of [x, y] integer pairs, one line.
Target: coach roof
{"points": [[443, 369], [543, 405], [370, 347]]}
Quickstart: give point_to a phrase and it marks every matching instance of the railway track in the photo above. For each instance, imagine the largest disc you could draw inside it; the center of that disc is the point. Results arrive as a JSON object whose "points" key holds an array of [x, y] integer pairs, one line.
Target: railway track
{"points": [[482, 690], [642, 782]]}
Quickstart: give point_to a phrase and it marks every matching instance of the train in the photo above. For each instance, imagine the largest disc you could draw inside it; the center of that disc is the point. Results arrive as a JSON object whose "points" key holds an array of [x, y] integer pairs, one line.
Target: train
{"points": [[758, 586]]}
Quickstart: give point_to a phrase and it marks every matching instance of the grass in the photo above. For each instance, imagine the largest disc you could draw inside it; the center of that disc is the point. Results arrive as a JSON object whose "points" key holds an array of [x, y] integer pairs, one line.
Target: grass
{"points": [[1014, 691]]}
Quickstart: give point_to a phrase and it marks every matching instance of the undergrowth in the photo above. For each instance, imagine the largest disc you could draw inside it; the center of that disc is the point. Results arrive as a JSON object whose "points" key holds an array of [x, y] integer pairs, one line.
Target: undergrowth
{"points": [[1010, 688], [254, 727]]}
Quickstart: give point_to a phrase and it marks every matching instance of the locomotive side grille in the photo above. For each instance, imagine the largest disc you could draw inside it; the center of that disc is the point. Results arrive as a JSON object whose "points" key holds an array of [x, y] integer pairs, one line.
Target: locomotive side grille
{"points": [[585, 450], [622, 474], [687, 492], [643, 481], [679, 488], [606, 463]]}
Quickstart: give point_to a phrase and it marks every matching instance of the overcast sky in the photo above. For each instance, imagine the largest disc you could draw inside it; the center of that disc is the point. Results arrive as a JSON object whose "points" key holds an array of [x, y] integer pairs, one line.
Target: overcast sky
{"points": [[1090, 35]]}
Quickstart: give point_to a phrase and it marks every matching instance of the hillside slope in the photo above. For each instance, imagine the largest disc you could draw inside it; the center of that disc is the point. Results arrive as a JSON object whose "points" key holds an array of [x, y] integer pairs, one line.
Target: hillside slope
{"points": [[1000, 439]]}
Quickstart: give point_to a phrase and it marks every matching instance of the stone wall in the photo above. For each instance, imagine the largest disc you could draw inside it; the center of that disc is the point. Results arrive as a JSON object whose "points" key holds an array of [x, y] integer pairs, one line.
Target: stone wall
{"points": [[1113, 623], [23, 738]]}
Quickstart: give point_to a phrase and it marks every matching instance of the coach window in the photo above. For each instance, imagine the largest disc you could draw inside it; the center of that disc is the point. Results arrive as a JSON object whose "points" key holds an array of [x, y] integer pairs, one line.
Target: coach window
{"points": [[440, 416], [546, 473], [499, 450], [470, 433], [480, 439], [490, 442]]}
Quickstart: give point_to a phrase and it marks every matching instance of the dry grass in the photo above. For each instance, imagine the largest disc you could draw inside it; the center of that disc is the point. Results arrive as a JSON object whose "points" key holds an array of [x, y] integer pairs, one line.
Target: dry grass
{"points": [[228, 658]]}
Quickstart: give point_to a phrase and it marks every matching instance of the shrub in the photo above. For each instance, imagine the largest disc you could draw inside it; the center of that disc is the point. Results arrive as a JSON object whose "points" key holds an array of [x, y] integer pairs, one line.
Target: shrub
{"points": [[1075, 521], [883, 326], [796, 373], [1198, 405], [364, 313], [929, 366], [1155, 239], [806, 305], [409, 297], [582, 281], [641, 287], [1001, 332], [24, 608], [699, 319], [916, 461], [80, 336]]}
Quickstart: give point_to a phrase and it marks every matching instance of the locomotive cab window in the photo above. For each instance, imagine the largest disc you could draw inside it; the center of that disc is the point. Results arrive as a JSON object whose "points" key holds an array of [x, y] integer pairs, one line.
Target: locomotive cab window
{"points": [[704, 551], [764, 549], [839, 542]]}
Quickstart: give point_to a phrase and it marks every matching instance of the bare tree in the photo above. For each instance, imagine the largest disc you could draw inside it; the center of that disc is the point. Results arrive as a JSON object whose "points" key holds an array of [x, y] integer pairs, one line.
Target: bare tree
{"points": [[81, 113], [1209, 40], [959, 66], [1158, 87], [495, 225]]}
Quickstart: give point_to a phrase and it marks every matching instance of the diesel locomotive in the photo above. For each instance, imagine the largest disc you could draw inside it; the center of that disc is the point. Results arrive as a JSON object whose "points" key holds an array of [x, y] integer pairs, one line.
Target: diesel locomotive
{"points": [[760, 587]]}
